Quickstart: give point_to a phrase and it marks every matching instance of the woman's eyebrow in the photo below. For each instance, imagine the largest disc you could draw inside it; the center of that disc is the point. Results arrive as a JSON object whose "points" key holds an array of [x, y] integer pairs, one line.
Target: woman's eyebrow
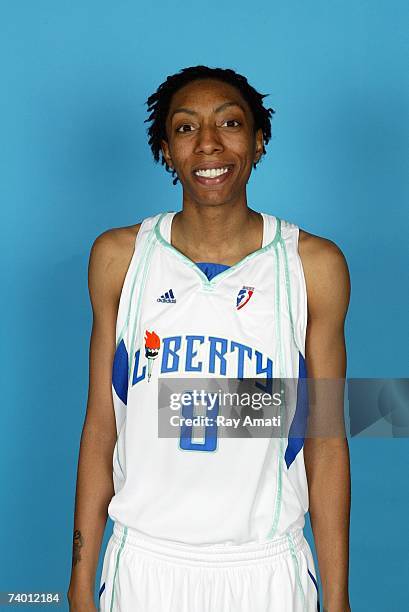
{"points": [[189, 111]]}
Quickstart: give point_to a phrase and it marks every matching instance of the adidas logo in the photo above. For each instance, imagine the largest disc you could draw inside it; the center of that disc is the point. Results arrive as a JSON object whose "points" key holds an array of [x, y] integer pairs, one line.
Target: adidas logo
{"points": [[167, 297]]}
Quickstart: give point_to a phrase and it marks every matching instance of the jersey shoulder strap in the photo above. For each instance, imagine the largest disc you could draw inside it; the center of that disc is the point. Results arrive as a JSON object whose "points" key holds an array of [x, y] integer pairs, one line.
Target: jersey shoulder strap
{"points": [[296, 289], [130, 293]]}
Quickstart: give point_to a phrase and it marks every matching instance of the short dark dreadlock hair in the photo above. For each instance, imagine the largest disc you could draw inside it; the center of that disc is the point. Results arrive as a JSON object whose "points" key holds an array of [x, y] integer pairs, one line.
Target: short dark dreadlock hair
{"points": [[159, 102]]}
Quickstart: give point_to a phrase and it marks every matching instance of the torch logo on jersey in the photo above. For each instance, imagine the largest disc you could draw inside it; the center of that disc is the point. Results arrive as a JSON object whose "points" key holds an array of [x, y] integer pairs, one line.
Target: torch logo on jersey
{"points": [[244, 296], [152, 346]]}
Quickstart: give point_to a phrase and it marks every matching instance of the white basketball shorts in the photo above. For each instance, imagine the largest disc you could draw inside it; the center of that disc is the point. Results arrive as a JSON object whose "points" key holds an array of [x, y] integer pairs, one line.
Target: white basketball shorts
{"points": [[149, 575]]}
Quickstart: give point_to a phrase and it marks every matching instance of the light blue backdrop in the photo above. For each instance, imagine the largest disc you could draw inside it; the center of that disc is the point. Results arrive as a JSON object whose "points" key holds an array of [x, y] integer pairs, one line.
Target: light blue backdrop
{"points": [[74, 162]]}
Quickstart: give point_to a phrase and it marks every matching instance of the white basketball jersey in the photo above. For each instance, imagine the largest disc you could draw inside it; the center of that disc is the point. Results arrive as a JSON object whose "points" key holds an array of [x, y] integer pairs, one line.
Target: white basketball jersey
{"points": [[249, 321]]}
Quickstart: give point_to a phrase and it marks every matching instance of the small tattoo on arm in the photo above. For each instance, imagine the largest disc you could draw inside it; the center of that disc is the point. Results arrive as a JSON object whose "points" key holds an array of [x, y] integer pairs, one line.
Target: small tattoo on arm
{"points": [[76, 547]]}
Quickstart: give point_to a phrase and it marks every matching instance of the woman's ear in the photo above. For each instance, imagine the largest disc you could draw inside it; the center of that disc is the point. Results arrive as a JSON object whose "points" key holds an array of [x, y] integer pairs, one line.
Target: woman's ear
{"points": [[166, 153], [259, 145]]}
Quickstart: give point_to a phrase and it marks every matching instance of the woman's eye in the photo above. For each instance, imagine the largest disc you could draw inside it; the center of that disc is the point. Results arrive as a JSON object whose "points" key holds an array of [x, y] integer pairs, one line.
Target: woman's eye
{"points": [[180, 129], [187, 127]]}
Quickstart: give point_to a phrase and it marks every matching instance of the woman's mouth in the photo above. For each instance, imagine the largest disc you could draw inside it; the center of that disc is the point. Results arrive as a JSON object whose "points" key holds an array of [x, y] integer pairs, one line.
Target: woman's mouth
{"points": [[212, 176]]}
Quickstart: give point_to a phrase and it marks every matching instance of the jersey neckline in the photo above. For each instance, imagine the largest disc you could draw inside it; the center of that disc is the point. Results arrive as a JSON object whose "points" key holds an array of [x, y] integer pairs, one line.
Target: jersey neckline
{"points": [[210, 284]]}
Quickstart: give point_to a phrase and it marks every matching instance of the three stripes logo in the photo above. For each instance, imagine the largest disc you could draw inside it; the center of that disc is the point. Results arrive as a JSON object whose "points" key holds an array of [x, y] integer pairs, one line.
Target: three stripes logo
{"points": [[167, 297]]}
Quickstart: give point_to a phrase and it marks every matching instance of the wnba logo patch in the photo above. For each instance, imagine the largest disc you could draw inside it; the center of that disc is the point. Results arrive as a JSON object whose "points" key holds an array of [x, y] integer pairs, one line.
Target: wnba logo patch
{"points": [[244, 296]]}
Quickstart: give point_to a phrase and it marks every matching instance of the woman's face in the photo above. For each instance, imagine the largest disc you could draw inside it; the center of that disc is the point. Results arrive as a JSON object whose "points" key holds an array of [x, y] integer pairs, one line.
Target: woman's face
{"points": [[211, 141]]}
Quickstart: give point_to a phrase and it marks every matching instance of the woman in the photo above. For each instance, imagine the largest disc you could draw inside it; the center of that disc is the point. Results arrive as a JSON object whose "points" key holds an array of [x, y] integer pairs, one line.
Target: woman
{"points": [[211, 523]]}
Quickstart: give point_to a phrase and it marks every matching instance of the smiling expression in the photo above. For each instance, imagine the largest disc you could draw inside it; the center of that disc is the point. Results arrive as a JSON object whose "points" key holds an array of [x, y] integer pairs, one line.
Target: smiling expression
{"points": [[211, 143]]}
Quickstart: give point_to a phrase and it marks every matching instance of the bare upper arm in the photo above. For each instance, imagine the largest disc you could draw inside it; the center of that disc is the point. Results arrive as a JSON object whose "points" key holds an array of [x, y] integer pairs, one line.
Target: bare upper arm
{"points": [[109, 260], [328, 291]]}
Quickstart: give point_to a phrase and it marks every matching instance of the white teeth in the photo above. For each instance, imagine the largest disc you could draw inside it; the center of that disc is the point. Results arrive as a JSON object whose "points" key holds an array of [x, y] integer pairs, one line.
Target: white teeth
{"points": [[211, 172]]}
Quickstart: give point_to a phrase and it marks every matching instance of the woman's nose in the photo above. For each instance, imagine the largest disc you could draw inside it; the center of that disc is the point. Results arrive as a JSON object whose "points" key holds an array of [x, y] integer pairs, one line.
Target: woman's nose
{"points": [[208, 140]]}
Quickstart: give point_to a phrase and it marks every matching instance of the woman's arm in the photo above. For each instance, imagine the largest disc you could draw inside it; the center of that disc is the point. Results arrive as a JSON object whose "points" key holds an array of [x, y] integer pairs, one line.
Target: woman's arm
{"points": [[327, 456], [109, 259]]}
